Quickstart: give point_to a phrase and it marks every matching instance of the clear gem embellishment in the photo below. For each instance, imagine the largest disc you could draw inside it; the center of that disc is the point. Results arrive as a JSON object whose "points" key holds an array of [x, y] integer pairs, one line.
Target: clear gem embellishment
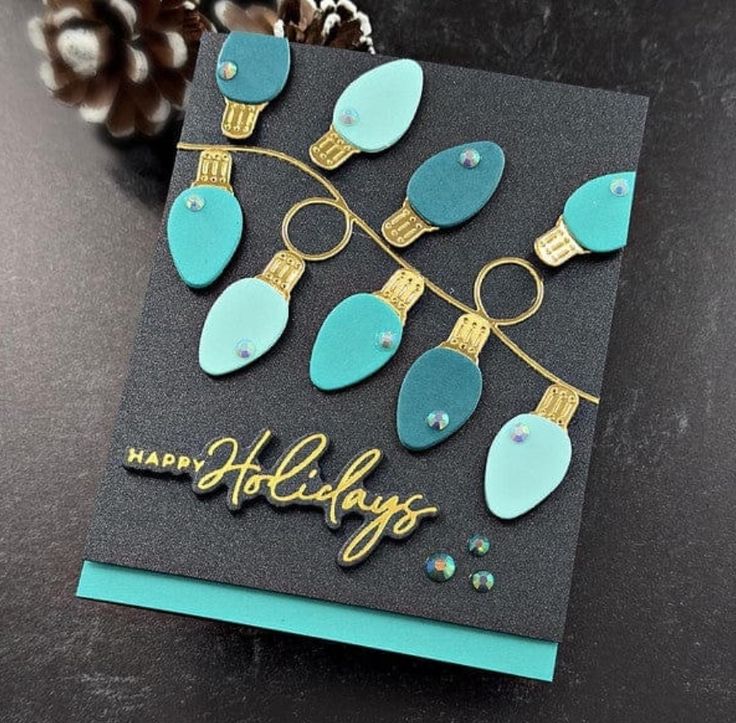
{"points": [[349, 116], [386, 340], [438, 420], [245, 348], [519, 433], [478, 545], [469, 158], [482, 580], [619, 187], [440, 566], [195, 202], [227, 70]]}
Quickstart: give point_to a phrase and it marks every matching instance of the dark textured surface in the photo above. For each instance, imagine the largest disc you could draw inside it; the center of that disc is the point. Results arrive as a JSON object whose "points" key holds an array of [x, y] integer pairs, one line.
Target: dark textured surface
{"points": [[170, 403], [649, 635]]}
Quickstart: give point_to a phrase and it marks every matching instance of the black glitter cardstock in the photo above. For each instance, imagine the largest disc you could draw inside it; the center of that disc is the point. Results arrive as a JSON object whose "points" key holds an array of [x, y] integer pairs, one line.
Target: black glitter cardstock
{"points": [[555, 137]]}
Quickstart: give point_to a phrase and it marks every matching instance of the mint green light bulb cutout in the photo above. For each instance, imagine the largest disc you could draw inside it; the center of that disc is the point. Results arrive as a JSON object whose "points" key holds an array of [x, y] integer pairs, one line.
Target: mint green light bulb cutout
{"points": [[378, 107], [247, 319], [527, 460]]}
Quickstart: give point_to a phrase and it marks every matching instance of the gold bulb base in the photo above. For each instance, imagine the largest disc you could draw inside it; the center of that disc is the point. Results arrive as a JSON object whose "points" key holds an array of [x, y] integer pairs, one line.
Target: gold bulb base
{"points": [[214, 169], [558, 404], [331, 150], [557, 245], [402, 291], [469, 336], [283, 272], [239, 119], [404, 227]]}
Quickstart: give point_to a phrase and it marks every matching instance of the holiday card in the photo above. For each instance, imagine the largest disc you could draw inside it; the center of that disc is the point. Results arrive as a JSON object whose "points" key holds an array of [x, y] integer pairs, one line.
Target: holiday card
{"points": [[362, 397]]}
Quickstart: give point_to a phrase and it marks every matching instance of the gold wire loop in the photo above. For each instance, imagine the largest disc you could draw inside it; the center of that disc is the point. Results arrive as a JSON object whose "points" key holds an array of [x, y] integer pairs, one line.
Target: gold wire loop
{"points": [[508, 261], [317, 201]]}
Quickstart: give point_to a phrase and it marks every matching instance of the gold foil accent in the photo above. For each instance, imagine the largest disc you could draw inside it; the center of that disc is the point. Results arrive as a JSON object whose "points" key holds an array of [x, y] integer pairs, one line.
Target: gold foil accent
{"points": [[558, 404], [557, 245], [469, 335], [282, 272], [402, 291], [405, 226], [239, 119], [214, 169], [331, 150]]}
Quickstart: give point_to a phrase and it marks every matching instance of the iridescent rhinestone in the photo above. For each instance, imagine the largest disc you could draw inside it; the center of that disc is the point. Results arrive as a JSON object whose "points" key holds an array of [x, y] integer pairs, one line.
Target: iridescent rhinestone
{"points": [[348, 116], [195, 202], [619, 187], [227, 70], [385, 340], [245, 348], [482, 580], [519, 433], [478, 545], [440, 566], [438, 420], [469, 158]]}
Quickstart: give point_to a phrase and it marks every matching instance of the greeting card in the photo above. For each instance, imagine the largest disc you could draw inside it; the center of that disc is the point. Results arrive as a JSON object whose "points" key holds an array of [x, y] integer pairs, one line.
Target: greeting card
{"points": [[362, 397]]}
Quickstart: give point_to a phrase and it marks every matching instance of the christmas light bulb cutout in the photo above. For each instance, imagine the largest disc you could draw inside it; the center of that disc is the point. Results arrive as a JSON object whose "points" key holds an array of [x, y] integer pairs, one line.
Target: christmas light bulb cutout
{"points": [[443, 386], [363, 332], [252, 69], [530, 455], [371, 114], [205, 222], [595, 220], [249, 317], [446, 190]]}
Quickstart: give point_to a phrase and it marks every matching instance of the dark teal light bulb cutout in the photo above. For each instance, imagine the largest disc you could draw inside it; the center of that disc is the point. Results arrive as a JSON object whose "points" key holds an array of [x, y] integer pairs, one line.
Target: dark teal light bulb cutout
{"points": [[455, 184], [440, 382], [253, 68]]}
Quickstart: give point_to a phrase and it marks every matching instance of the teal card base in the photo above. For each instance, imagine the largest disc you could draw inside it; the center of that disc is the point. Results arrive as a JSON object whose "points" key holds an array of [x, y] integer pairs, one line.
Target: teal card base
{"points": [[500, 652]]}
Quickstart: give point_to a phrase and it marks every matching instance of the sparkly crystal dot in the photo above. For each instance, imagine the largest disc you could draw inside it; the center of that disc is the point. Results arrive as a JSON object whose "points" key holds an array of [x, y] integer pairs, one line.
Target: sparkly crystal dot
{"points": [[439, 566], [385, 340], [478, 545], [482, 580], [195, 202], [348, 116], [469, 158], [245, 348], [438, 420], [519, 433], [619, 187], [227, 70]]}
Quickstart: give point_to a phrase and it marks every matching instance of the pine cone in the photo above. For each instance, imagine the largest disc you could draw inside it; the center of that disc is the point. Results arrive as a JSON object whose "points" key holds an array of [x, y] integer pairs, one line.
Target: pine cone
{"points": [[336, 23], [124, 63]]}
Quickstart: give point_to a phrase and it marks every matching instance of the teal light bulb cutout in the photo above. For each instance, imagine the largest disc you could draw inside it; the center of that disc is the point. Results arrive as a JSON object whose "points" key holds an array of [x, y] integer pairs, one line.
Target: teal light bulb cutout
{"points": [[249, 317], [442, 387], [595, 220], [363, 333], [205, 222], [530, 455], [252, 69], [446, 190], [372, 113]]}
